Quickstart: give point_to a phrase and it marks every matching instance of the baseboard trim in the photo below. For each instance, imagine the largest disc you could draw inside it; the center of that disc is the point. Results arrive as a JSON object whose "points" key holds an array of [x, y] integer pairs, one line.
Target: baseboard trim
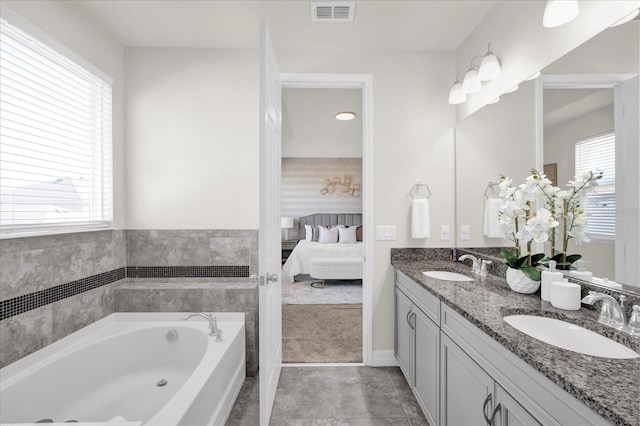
{"points": [[384, 359]]}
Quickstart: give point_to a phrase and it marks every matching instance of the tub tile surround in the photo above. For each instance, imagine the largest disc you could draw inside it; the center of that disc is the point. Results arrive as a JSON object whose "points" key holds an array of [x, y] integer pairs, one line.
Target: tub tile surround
{"points": [[608, 386], [203, 295], [51, 286]]}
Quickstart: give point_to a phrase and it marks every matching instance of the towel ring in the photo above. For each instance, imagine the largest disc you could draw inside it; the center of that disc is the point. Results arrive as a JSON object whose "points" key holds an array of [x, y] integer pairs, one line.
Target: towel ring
{"points": [[490, 186], [416, 187]]}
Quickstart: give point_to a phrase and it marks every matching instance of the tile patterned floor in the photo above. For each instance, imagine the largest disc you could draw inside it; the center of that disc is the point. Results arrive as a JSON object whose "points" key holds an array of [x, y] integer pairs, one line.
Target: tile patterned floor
{"points": [[333, 396]]}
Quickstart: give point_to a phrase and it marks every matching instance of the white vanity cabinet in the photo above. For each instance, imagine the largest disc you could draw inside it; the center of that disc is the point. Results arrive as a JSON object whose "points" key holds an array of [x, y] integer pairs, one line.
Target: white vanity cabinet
{"points": [[485, 401], [462, 376], [417, 343]]}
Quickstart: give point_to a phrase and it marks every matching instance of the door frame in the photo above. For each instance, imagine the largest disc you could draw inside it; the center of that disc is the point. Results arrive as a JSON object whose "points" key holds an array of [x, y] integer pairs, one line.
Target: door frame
{"points": [[365, 83]]}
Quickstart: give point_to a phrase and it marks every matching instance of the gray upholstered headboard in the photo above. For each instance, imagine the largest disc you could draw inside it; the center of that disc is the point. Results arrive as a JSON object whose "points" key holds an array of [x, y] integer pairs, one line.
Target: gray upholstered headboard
{"points": [[328, 219]]}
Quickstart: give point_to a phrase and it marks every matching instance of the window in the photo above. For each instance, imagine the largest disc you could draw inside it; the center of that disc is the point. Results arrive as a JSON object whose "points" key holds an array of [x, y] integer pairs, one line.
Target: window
{"points": [[55, 136], [599, 153]]}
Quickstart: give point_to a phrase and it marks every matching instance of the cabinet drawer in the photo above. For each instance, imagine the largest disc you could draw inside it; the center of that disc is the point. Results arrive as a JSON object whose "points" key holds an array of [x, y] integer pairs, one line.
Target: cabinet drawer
{"points": [[423, 299]]}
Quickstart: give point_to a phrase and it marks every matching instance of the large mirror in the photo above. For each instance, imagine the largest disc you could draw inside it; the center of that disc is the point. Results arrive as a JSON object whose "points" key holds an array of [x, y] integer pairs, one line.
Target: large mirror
{"points": [[580, 96]]}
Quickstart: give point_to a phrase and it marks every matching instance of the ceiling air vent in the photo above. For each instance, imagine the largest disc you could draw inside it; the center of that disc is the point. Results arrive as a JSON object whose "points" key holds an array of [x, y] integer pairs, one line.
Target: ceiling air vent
{"points": [[332, 11]]}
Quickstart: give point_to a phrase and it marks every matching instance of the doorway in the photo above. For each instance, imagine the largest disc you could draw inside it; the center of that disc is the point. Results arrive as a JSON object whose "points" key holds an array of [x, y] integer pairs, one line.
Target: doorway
{"points": [[360, 86], [321, 193]]}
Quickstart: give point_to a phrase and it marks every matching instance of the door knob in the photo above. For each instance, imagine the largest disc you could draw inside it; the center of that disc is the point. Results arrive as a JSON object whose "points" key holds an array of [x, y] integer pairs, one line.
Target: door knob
{"points": [[271, 278]]}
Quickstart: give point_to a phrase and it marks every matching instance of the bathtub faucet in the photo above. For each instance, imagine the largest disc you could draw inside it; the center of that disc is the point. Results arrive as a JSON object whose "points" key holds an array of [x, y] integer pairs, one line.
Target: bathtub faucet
{"points": [[213, 324]]}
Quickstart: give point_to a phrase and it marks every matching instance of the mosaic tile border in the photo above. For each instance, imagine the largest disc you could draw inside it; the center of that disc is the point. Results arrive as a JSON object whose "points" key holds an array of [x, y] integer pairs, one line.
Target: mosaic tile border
{"points": [[27, 302], [187, 271]]}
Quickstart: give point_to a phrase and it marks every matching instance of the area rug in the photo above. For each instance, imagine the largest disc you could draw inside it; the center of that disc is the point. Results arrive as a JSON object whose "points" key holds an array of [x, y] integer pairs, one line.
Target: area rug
{"points": [[321, 333], [335, 292]]}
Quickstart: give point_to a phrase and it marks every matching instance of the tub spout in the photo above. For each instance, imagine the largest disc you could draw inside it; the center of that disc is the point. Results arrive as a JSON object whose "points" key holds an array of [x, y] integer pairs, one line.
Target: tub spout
{"points": [[213, 324]]}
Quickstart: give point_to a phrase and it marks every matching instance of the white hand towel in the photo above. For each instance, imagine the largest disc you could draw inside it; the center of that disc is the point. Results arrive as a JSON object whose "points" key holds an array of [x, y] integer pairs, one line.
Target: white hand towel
{"points": [[492, 228], [420, 227]]}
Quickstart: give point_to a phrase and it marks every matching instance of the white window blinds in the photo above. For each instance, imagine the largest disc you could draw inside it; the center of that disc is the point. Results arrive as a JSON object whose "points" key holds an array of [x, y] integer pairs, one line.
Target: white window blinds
{"points": [[55, 139], [599, 153]]}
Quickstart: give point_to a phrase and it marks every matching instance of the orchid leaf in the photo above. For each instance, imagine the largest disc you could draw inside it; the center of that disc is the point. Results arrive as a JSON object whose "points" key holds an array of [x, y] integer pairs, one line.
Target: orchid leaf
{"points": [[573, 257], [536, 258], [531, 273], [509, 257], [521, 262]]}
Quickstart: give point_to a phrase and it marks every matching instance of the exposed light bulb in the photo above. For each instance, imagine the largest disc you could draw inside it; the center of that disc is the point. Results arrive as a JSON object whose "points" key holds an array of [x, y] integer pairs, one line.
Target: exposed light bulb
{"points": [[471, 82], [456, 94], [559, 12], [627, 18]]}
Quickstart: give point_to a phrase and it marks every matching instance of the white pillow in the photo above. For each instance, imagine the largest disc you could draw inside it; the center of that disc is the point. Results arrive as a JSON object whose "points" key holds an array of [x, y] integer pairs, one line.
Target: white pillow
{"points": [[327, 235], [308, 233], [347, 234]]}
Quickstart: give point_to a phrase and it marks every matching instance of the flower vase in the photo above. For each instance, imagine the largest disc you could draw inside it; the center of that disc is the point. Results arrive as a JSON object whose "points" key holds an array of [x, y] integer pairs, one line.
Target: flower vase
{"points": [[520, 283]]}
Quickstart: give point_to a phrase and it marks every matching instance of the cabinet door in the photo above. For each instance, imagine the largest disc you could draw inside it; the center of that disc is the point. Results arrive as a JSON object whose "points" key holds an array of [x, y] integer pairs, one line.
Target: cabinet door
{"points": [[510, 413], [427, 365], [464, 387], [404, 334]]}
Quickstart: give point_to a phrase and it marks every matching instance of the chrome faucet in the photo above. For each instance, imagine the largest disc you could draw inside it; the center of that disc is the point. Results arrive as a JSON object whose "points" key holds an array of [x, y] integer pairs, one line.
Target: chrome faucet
{"points": [[612, 313], [475, 267], [483, 267], [213, 324]]}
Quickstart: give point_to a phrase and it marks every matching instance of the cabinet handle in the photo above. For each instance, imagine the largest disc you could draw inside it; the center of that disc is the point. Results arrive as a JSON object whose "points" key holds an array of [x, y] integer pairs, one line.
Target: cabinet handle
{"points": [[409, 317], [487, 400], [412, 324], [496, 411]]}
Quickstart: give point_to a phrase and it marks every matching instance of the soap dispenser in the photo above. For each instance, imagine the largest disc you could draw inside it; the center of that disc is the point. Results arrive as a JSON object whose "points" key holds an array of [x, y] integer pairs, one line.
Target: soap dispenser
{"points": [[581, 273], [548, 277]]}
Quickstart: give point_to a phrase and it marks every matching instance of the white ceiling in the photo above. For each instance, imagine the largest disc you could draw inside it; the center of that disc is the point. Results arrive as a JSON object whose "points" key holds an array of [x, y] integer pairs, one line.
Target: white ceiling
{"points": [[419, 25]]}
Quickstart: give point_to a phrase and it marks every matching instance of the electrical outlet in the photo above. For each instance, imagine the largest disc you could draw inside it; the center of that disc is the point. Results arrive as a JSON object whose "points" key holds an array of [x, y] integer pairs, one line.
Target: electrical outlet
{"points": [[386, 232], [445, 233], [464, 233]]}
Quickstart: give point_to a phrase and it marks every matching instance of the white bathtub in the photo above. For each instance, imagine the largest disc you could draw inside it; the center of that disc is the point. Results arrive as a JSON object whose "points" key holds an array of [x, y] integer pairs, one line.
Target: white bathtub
{"points": [[108, 373]]}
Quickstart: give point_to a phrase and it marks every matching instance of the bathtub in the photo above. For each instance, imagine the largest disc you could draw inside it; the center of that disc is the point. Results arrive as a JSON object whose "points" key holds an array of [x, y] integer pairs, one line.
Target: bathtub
{"points": [[126, 369]]}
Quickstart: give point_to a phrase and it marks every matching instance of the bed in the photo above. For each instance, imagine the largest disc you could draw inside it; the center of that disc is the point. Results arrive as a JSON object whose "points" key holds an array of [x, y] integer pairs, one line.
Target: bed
{"points": [[299, 260]]}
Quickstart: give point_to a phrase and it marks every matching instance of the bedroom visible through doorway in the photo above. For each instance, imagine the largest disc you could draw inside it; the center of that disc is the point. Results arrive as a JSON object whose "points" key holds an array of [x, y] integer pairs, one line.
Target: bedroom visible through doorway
{"points": [[322, 186]]}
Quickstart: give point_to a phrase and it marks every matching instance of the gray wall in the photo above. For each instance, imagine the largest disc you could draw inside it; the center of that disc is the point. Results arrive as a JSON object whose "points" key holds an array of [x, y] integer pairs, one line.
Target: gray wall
{"points": [[87, 271], [32, 264]]}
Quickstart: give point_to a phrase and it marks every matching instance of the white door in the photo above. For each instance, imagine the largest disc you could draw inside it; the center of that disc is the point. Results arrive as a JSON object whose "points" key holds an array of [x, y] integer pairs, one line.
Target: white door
{"points": [[626, 113], [270, 289]]}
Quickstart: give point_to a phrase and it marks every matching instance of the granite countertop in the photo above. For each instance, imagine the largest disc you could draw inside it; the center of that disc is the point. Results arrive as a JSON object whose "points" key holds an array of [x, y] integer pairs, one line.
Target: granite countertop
{"points": [[611, 387]]}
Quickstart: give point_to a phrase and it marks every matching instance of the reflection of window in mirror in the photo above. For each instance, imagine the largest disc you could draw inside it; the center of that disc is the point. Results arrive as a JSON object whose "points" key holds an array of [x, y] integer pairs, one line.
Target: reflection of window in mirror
{"points": [[598, 153], [551, 171]]}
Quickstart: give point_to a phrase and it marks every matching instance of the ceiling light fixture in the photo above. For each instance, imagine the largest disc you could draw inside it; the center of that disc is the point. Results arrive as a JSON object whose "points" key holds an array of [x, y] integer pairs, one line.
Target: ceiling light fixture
{"points": [[534, 76], [559, 12], [490, 66], [627, 18], [345, 115]]}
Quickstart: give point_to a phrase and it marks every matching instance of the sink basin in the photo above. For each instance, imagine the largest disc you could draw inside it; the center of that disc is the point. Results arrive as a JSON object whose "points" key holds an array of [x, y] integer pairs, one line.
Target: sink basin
{"points": [[447, 276], [569, 336]]}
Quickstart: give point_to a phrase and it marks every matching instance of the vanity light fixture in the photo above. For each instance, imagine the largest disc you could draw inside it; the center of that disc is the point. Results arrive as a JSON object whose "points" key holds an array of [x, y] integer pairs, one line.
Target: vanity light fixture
{"points": [[345, 115], [513, 89], [456, 94], [559, 12], [533, 77], [490, 66], [471, 82], [627, 18]]}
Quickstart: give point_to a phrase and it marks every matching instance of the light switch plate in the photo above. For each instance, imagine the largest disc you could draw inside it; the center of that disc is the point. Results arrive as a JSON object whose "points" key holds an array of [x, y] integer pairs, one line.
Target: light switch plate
{"points": [[445, 233], [464, 233], [386, 232]]}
